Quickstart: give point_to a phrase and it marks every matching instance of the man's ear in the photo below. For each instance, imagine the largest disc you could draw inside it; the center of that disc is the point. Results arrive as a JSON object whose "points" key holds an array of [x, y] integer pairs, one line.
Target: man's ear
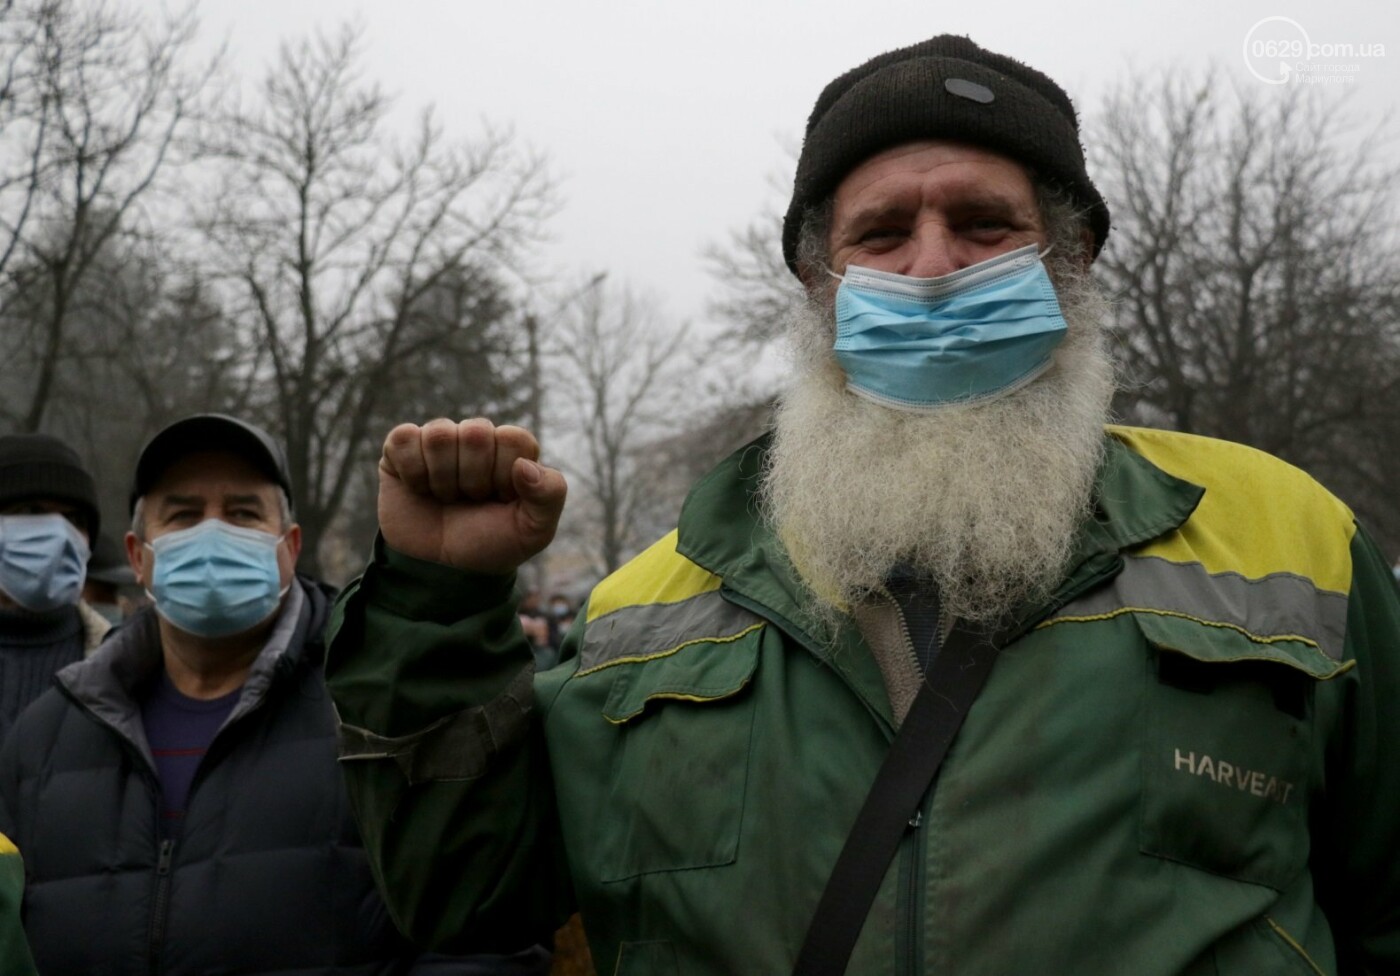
{"points": [[818, 281], [135, 556], [293, 542], [810, 277], [1086, 238]]}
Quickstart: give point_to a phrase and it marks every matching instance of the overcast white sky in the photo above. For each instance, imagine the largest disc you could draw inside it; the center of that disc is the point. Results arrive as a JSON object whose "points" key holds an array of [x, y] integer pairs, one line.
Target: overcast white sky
{"points": [[664, 121]]}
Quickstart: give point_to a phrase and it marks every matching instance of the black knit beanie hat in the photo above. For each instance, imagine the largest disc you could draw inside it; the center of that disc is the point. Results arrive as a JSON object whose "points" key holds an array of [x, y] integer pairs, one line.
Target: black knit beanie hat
{"points": [[943, 88], [41, 466]]}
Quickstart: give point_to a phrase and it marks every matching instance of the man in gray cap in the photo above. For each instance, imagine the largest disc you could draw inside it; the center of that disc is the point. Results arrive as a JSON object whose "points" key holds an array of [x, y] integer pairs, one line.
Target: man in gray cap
{"points": [[177, 799], [944, 675], [48, 519]]}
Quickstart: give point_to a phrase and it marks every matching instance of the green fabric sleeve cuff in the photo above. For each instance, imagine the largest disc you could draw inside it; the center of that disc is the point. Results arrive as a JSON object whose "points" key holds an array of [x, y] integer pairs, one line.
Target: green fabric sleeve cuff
{"points": [[412, 642], [417, 589]]}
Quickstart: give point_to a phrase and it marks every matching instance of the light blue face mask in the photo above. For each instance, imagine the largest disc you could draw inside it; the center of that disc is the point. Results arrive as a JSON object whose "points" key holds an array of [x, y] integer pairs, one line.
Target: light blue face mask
{"points": [[43, 561], [215, 579], [924, 343]]}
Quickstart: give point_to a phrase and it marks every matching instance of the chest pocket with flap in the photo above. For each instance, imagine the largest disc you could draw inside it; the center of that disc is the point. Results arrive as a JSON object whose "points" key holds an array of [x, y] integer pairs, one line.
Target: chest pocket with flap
{"points": [[1228, 746], [680, 771]]}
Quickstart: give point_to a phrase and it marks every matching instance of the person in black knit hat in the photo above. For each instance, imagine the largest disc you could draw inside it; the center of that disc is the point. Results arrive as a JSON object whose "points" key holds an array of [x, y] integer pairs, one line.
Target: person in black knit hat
{"points": [[48, 519], [945, 88], [944, 674]]}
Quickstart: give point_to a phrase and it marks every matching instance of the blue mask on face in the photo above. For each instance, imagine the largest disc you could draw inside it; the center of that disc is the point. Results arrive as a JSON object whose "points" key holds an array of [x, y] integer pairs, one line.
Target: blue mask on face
{"points": [[923, 343], [216, 579], [43, 561]]}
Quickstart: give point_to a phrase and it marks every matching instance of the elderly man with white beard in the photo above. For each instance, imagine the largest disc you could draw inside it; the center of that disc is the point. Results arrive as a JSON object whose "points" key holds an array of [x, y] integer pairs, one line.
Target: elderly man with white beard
{"points": [[944, 675]]}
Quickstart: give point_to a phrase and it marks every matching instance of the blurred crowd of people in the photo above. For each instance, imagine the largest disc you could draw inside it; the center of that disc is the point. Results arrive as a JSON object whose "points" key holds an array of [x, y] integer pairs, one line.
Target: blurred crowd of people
{"points": [[545, 624]]}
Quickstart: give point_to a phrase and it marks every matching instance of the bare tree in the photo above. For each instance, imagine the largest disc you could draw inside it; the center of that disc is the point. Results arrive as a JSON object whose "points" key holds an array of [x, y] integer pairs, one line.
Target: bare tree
{"points": [[756, 287], [22, 110], [620, 379], [95, 96], [147, 344], [478, 368], [1256, 271], [339, 243]]}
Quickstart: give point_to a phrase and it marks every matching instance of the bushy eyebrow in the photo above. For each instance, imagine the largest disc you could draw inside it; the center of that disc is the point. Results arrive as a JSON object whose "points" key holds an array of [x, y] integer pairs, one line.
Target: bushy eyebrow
{"points": [[980, 200], [248, 499], [876, 213], [176, 501], [995, 203]]}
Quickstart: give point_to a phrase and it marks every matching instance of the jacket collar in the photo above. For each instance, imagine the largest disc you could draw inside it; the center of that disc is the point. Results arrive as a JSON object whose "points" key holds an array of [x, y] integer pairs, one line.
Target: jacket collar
{"points": [[1134, 502], [112, 681], [722, 530], [95, 627]]}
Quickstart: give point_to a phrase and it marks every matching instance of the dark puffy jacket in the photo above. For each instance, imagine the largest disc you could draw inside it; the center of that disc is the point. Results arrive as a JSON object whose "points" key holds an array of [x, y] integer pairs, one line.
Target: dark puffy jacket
{"points": [[267, 874]]}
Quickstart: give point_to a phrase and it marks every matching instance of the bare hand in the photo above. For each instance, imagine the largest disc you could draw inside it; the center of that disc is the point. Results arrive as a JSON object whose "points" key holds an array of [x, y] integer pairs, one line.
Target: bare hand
{"points": [[470, 495]]}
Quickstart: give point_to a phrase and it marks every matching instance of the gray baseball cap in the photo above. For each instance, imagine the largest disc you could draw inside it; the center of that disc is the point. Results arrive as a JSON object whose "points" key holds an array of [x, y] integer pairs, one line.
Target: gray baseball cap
{"points": [[209, 432]]}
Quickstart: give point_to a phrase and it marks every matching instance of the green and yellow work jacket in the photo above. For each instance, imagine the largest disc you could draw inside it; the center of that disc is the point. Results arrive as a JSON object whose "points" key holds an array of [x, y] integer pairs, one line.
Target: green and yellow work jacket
{"points": [[1188, 761], [15, 958]]}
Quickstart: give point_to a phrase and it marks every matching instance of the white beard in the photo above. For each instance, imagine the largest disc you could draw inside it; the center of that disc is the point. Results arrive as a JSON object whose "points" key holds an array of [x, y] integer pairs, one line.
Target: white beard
{"points": [[983, 500]]}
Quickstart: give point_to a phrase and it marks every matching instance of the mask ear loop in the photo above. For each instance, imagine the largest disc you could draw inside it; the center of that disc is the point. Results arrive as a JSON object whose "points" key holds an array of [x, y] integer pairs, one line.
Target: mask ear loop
{"points": [[286, 589]]}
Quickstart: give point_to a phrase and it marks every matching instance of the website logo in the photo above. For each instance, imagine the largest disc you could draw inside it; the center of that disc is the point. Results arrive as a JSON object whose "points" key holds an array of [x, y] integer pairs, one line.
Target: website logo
{"points": [[1280, 51]]}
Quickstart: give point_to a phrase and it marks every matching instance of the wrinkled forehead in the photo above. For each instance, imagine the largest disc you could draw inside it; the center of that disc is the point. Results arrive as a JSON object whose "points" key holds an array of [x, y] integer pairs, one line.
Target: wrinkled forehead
{"points": [[212, 475], [936, 171]]}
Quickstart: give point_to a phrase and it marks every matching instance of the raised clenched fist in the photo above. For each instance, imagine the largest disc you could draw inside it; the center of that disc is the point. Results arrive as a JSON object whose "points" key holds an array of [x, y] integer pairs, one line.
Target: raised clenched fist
{"points": [[467, 494]]}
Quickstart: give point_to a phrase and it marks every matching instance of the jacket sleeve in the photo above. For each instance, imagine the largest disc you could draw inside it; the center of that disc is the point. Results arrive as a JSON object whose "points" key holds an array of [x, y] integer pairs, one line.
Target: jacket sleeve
{"points": [[1357, 834], [12, 813], [7, 791], [15, 958], [444, 758]]}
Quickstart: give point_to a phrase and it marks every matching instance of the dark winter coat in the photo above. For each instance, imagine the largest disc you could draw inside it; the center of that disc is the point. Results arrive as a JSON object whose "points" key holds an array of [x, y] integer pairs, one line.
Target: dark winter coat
{"points": [[267, 874]]}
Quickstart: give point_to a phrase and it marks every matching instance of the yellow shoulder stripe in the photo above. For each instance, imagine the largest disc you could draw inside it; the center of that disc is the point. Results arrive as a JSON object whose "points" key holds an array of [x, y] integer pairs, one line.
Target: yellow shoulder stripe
{"points": [[657, 575], [1259, 516], [7, 846]]}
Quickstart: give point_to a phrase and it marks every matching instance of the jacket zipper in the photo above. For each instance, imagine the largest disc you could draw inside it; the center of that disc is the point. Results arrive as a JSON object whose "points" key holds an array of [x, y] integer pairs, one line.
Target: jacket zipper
{"points": [[792, 632], [166, 851], [909, 900], [161, 905], [912, 856], [910, 860], [912, 872], [161, 902]]}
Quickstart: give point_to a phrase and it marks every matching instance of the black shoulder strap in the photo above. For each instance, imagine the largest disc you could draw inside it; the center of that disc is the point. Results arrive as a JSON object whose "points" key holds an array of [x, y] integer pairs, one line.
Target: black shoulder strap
{"points": [[953, 681]]}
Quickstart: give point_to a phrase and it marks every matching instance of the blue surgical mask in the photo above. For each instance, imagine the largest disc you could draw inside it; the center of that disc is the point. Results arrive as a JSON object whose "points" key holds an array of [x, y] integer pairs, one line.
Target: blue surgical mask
{"points": [[216, 579], [43, 561], [924, 343]]}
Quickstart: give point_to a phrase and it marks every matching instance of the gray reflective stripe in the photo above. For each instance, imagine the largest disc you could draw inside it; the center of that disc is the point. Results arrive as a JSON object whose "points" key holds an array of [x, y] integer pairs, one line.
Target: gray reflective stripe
{"points": [[1279, 605], [457, 747], [655, 629]]}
